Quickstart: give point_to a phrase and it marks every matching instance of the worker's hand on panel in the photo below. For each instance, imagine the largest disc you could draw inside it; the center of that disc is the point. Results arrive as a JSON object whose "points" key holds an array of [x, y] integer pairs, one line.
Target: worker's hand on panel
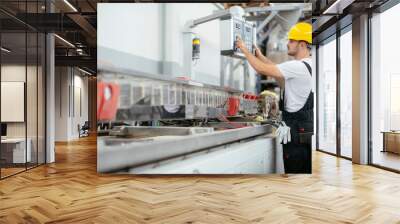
{"points": [[240, 44]]}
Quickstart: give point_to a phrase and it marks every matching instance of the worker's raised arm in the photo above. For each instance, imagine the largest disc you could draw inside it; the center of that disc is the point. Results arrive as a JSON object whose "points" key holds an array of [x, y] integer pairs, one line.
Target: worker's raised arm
{"points": [[267, 69], [260, 56]]}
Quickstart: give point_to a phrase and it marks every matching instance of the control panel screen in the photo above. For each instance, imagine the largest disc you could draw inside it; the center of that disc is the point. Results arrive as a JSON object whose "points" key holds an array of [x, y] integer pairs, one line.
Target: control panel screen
{"points": [[245, 32], [231, 30]]}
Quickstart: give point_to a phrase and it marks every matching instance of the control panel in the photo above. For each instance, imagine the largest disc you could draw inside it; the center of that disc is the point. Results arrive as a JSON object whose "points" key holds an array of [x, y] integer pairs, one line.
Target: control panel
{"points": [[248, 35], [231, 29]]}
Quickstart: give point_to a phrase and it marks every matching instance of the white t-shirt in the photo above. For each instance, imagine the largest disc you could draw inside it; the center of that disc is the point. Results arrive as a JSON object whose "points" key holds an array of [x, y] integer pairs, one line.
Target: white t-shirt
{"points": [[298, 83]]}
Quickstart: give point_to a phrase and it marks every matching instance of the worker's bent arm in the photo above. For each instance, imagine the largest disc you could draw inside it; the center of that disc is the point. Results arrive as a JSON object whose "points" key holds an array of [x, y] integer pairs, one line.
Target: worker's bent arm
{"points": [[267, 69], [264, 59], [260, 56]]}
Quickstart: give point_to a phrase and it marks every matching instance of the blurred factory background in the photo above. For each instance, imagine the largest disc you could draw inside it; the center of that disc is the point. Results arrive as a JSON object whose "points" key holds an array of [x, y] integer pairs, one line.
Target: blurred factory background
{"points": [[163, 81]]}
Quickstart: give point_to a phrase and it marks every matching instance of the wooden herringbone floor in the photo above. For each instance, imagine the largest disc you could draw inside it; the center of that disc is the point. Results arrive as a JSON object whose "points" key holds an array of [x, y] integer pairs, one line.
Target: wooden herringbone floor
{"points": [[70, 191]]}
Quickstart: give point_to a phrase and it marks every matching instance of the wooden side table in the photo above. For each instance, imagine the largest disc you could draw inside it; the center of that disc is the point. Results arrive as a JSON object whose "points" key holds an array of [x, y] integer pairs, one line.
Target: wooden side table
{"points": [[391, 141]]}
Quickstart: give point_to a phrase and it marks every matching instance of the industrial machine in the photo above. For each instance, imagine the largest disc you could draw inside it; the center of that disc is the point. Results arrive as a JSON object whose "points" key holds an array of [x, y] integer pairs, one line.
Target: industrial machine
{"points": [[177, 126], [164, 126], [144, 99]]}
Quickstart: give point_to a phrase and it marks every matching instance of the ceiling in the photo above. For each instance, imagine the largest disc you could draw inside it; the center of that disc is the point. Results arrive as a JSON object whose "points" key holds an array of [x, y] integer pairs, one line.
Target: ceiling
{"points": [[72, 20]]}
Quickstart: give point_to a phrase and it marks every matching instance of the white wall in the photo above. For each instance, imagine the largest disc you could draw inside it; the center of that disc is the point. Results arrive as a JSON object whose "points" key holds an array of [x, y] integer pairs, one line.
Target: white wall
{"points": [[207, 68], [152, 34], [61, 103], [123, 26], [81, 84], [67, 115]]}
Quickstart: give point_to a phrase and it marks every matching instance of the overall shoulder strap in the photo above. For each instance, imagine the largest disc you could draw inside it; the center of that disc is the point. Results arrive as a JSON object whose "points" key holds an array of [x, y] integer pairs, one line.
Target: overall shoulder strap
{"points": [[308, 67]]}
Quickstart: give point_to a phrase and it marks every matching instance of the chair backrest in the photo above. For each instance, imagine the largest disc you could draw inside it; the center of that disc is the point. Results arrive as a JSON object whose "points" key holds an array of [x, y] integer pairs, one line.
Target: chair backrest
{"points": [[86, 125]]}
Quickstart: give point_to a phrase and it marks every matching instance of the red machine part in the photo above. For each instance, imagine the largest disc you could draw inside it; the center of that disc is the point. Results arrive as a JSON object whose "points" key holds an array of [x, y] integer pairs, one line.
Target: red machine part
{"points": [[233, 105], [107, 100], [249, 96]]}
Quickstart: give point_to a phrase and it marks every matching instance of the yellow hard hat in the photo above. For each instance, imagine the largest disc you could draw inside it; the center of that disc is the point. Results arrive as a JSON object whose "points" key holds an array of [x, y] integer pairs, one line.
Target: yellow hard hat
{"points": [[301, 31]]}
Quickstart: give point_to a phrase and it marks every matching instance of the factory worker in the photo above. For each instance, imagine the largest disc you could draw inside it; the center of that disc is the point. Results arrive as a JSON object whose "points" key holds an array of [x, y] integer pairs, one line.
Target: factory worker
{"points": [[296, 104]]}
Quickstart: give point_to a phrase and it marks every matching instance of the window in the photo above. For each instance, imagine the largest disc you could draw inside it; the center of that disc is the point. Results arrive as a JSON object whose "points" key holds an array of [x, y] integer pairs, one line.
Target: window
{"points": [[327, 96], [346, 94], [385, 89], [22, 101], [13, 148]]}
